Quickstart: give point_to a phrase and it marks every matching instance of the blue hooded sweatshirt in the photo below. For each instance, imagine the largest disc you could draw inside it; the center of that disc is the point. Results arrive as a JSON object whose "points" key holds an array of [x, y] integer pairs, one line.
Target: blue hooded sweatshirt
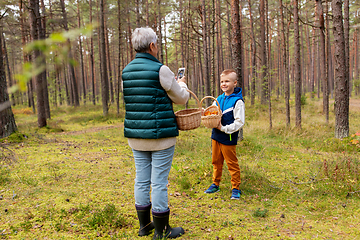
{"points": [[227, 104]]}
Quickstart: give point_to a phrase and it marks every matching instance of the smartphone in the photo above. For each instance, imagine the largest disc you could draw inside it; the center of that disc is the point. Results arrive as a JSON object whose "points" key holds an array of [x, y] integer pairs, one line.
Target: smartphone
{"points": [[181, 73]]}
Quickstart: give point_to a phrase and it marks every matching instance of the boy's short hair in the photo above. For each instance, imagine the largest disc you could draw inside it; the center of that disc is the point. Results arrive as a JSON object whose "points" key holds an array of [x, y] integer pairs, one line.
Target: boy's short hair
{"points": [[227, 72]]}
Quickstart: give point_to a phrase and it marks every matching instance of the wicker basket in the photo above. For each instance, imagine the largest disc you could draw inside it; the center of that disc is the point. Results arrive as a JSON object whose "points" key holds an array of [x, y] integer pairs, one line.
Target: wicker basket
{"points": [[211, 121], [188, 119]]}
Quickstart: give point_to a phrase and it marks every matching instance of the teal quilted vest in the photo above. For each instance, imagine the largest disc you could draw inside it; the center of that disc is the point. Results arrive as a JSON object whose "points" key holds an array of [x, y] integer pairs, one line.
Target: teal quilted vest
{"points": [[149, 112]]}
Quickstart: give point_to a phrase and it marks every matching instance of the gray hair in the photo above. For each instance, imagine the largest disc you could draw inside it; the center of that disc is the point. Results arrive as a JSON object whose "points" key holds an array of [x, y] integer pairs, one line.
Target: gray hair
{"points": [[142, 37]]}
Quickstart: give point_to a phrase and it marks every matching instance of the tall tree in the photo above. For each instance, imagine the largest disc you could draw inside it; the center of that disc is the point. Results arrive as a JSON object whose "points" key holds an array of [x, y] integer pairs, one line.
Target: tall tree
{"points": [[346, 39], [263, 58], [74, 86], [236, 45], [297, 66], [236, 41], [37, 57], [7, 120], [103, 65], [92, 66], [253, 57], [42, 35], [341, 80], [81, 55], [286, 66], [205, 49], [323, 62], [161, 51]]}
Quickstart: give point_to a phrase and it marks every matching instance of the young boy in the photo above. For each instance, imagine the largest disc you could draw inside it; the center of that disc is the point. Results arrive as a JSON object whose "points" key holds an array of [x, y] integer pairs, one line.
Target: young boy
{"points": [[225, 136]]}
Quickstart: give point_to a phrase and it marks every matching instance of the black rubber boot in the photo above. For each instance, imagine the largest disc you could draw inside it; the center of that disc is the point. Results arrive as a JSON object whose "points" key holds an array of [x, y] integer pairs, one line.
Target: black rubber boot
{"points": [[146, 225], [162, 227]]}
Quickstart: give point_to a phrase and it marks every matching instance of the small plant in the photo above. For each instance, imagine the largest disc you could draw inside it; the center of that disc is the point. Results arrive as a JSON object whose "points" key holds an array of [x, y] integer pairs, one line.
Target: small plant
{"points": [[355, 139], [303, 100], [107, 218], [260, 212], [4, 175], [16, 137], [26, 225], [185, 183]]}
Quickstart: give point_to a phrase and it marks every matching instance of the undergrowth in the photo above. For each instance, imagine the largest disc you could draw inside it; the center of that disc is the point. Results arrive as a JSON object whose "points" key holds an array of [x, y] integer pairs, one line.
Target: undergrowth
{"points": [[74, 179]]}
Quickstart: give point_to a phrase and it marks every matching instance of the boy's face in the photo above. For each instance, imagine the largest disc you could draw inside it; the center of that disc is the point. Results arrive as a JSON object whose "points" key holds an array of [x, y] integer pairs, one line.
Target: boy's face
{"points": [[228, 83]]}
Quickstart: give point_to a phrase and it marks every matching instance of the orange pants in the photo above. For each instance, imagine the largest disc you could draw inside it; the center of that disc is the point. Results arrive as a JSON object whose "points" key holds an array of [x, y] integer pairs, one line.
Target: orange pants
{"points": [[227, 152]]}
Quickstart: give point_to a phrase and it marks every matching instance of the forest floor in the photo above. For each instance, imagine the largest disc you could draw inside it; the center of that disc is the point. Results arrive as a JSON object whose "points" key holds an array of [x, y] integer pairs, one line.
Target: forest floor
{"points": [[74, 179]]}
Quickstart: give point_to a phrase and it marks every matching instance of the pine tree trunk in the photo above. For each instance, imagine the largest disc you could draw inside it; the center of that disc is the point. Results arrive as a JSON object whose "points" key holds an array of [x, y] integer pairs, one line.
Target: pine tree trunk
{"points": [[108, 62], [161, 52], [7, 120], [329, 69], [12, 96], [341, 83], [92, 66], [286, 66], [119, 56], [34, 17], [356, 60], [228, 12], [236, 46], [346, 39], [323, 62], [72, 77], [205, 51], [81, 56], [309, 61], [42, 35], [220, 44], [297, 66], [103, 65], [253, 58], [263, 64]]}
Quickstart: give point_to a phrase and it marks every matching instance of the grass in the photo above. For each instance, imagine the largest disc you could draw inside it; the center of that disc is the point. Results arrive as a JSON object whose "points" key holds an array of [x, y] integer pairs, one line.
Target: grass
{"points": [[74, 179]]}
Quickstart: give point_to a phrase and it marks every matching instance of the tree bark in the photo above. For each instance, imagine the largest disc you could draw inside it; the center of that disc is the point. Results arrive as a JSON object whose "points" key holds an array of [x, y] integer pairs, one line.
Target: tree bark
{"points": [[81, 56], [253, 57], [236, 41], [34, 17], [205, 51], [297, 66], [341, 83], [42, 35], [236, 46], [119, 56], [329, 69], [92, 67], [74, 87], [7, 120], [323, 62], [346, 39], [286, 66], [103, 65], [161, 51], [263, 59]]}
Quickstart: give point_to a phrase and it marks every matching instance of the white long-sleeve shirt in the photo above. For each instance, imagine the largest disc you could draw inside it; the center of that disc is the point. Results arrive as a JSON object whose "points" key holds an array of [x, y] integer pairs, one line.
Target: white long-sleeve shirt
{"points": [[178, 95], [239, 116]]}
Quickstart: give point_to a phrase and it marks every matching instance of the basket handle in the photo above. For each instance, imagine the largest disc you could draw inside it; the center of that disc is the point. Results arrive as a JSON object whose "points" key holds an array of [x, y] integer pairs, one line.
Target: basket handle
{"points": [[218, 104], [198, 102]]}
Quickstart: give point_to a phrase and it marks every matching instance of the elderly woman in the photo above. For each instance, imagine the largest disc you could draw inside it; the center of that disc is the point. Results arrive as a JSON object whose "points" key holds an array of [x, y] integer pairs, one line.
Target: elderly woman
{"points": [[150, 89]]}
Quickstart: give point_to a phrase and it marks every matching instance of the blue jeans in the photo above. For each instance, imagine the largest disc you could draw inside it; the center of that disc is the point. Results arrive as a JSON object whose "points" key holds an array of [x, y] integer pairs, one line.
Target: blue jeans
{"points": [[152, 168]]}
